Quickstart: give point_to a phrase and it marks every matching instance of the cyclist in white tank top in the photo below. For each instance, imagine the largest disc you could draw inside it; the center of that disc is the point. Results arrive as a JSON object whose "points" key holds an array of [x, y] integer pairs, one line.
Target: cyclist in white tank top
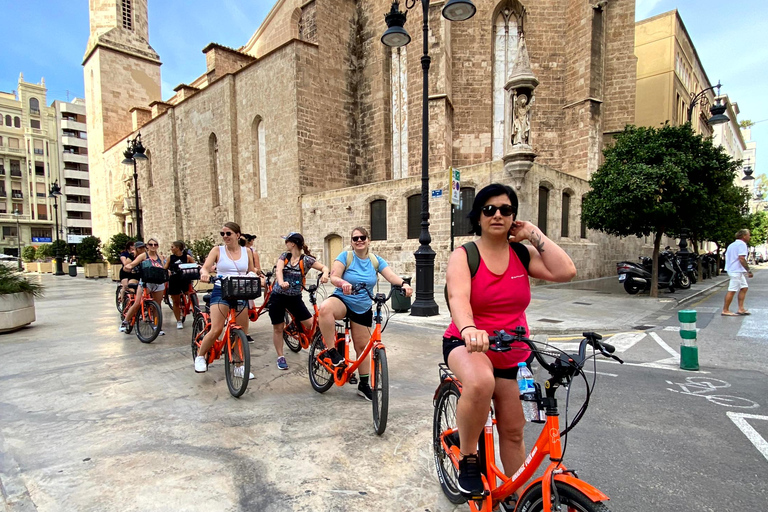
{"points": [[231, 260]]}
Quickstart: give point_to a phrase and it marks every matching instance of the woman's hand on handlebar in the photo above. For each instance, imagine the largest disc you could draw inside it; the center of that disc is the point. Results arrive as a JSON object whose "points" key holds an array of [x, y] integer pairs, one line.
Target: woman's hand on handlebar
{"points": [[205, 276], [407, 289], [476, 340], [284, 285], [346, 288]]}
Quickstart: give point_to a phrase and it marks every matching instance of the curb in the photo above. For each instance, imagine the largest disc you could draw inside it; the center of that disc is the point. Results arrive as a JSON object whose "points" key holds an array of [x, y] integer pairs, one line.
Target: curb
{"points": [[701, 292]]}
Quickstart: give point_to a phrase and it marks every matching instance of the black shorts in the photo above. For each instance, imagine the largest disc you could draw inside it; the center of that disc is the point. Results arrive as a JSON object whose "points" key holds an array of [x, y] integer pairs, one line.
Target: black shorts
{"points": [[365, 319], [450, 343], [278, 303], [128, 275], [177, 284]]}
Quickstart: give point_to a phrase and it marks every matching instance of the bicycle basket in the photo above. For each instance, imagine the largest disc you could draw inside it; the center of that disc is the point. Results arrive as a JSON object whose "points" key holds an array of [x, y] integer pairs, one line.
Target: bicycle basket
{"points": [[154, 275], [190, 271], [240, 288]]}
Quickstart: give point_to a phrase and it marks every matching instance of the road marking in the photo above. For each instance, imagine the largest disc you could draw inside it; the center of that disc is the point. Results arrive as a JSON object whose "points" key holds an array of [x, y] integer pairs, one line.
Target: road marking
{"points": [[753, 326], [623, 341], [655, 366], [740, 420], [664, 345], [602, 373]]}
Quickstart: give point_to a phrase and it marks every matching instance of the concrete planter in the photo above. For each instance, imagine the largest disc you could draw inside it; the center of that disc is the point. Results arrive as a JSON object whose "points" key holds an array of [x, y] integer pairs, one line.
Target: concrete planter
{"points": [[16, 311], [114, 271], [94, 270], [30, 266], [45, 267]]}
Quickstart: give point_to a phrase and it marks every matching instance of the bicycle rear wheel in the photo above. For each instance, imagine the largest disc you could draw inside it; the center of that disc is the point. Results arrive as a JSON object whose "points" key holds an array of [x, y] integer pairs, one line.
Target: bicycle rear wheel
{"points": [[380, 390], [238, 364], [291, 334], [118, 302], [198, 333], [573, 500], [444, 419], [149, 320], [320, 378]]}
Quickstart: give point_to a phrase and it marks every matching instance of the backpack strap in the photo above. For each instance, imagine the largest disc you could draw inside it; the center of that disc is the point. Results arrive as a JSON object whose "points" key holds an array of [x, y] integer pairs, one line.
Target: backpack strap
{"points": [[371, 256], [522, 253], [287, 260]]}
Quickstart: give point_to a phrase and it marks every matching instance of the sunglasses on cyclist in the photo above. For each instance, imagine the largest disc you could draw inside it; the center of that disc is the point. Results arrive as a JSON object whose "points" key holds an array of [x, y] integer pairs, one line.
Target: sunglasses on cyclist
{"points": [[490, 210], [360, 238], [226, 233], [152, 245]]}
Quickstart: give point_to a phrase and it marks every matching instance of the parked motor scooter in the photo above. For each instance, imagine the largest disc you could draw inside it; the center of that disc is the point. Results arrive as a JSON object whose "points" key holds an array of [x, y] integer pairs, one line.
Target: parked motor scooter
{"points": [[637, 277], [689, 264]]}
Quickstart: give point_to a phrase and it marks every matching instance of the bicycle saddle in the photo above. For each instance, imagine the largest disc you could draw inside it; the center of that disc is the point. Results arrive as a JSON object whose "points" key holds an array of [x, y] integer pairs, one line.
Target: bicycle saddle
{"points": [[207, 298]]}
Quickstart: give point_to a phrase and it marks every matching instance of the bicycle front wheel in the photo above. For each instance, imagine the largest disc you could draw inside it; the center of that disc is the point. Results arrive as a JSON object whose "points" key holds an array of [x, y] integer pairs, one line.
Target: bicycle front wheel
{"points": [[320, 378], [118, 302], [444, 419], [238, 362], [573, 500], [291, 334], [380, 390], [149, 320]]}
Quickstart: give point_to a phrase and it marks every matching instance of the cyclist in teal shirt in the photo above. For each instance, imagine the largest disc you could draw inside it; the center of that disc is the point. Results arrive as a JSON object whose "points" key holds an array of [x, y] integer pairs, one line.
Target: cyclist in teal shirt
{"points": [[349, 269]]}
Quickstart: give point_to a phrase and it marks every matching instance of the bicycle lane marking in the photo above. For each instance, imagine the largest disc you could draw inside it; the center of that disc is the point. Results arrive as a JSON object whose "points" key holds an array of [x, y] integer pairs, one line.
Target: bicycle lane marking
{"points": [[740, 420]]}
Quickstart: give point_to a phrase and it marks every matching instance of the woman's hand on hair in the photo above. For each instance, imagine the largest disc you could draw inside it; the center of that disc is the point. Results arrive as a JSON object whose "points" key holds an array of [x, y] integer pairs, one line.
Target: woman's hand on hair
{"points": [[520, 230], [475, 339]]}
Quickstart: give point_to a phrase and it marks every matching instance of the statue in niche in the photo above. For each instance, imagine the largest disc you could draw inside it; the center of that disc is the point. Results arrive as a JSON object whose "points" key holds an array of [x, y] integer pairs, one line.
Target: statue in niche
{"points": [[521, 124]]}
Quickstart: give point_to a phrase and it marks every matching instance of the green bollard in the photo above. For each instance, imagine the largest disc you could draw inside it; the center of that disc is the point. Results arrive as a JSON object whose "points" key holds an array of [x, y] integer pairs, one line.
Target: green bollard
{"points": [[689, 351]]}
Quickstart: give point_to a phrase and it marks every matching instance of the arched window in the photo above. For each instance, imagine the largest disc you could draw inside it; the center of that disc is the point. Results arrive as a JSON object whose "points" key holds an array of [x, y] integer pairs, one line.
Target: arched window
{"points": [[543, 209], [127, 12], [505, 40], [150, 179], [8, 120], [583, 224], [399, 113], [379, 219], [213, 152], [259, 156], [414, 216], [566, 212], [34, 105], [17, 122], [461, 224]]}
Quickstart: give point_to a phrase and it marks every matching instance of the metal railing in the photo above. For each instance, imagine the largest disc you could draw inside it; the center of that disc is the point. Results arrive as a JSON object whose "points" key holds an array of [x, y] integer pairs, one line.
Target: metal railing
{"points": [[17, 195]]}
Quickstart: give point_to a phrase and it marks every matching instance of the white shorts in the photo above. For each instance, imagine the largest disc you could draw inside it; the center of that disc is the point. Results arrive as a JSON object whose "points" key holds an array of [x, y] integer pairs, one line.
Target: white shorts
{"points": [[738, 281]]}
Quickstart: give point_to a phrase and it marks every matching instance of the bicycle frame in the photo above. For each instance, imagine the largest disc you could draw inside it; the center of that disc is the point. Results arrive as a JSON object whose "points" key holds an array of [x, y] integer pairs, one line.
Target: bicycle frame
{"points": [[218, 345], [145, 297], [341, 375], [305, 337]]}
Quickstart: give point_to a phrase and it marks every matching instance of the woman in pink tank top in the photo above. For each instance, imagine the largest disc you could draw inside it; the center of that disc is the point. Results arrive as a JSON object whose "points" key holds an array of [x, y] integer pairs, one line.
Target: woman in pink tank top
{"points": [[494, 299]]}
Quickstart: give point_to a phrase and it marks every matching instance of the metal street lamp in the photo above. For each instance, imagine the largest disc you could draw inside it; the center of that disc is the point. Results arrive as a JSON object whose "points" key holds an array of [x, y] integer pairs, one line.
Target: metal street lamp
{"points": [[748, 172], [17, 214], [54, 194], [135, 151], [396, 36], [717, 110]]}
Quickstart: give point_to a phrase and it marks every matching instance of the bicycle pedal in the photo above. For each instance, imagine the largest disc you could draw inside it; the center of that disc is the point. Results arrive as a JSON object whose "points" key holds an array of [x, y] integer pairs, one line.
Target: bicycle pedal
{"points": [[352, 379]]}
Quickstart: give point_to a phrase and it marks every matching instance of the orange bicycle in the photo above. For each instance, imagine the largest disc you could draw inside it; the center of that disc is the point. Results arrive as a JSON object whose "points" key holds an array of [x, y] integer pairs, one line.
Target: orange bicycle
{"points": [[188, 300], [147, 319], [559, 488], [322, 373], [232, 342], [295, 334]]}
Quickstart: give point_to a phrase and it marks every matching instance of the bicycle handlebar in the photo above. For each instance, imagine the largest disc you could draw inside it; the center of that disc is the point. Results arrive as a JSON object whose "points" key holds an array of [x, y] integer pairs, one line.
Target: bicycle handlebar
{"points": [[313, 287], [380, 298]]}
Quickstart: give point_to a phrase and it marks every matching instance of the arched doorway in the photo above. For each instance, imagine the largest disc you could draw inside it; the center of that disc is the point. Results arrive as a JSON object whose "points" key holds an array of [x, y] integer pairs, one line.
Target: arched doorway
{"points": [[333, 246]]}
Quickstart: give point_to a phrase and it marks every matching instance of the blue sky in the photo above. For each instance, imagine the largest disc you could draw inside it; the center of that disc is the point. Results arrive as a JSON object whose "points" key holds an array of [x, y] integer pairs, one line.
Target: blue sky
{"points": [[49, 40]]}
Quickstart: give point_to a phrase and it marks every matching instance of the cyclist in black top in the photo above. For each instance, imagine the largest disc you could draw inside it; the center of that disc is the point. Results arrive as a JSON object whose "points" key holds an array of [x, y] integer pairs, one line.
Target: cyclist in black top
{"points": [[127, 276], [177, 284]]}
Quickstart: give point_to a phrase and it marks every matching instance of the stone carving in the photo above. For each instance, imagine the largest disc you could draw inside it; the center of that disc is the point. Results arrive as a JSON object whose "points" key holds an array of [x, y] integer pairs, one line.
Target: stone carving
{"points": [[521, 123]]}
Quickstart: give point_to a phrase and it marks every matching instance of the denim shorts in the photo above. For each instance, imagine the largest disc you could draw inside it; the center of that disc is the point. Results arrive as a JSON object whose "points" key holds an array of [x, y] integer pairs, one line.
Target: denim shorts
{"points": [[216, 299]]}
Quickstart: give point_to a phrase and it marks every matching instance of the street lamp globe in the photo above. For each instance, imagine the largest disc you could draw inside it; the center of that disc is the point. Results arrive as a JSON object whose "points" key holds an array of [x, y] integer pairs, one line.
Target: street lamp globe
{"points": [[748, 174], [138, 149], [128, 154], [459, 10], [718, 114], [395, 36]]}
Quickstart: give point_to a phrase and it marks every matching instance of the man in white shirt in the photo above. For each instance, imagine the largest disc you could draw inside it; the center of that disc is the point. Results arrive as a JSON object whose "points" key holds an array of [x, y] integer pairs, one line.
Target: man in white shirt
{"points": [[738, 270]]}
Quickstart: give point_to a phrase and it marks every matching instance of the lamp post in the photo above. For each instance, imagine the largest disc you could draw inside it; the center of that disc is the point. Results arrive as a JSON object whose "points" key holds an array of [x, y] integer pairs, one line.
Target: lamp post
{"points": [[394, 37], [17, 214], [748, 172], [717, 110], [54, 194], [135, 151]]}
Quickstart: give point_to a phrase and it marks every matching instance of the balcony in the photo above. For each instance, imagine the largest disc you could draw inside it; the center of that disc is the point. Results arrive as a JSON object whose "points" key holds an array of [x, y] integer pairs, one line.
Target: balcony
{"points": [[17, 195], [35, 111], [78, 223], [73, 125], [77, 175], [11, 151], [15, 174], [77, 207], [3, 193], [78, 159], [68, 140], [77, 191], [36, 131]]}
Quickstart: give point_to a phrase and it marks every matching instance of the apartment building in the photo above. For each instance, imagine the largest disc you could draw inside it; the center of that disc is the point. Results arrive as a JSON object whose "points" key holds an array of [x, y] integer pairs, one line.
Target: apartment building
{"points": [[75, 202], [29, 165]]}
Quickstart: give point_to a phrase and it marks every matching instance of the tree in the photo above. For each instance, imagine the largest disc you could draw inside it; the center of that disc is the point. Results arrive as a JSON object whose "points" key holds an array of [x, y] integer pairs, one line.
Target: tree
{"points": [[655, 181], [88, 251], [28, 254], [746, 123], [201, 247], [44, 252], [758, 228], [115, 246], [59, 248]]}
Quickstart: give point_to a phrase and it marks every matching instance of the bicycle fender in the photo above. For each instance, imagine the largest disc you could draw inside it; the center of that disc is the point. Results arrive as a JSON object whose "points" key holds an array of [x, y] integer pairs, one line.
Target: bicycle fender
{"points": [[593, 493]]}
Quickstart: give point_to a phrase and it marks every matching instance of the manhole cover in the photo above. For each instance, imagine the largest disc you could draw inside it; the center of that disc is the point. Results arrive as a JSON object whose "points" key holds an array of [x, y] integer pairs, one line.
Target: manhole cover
{"points": [[549, 321], [643, 327], [583, 303]]}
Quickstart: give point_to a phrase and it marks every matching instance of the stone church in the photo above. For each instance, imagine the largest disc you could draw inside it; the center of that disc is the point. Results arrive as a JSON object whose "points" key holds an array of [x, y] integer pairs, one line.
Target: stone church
{"points": [[314, 125]]}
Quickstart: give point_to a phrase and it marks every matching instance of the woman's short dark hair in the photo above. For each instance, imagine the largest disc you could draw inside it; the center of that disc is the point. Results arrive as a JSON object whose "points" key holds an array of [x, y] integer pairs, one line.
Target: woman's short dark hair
{"points": [[128, 245], [482, 197]]}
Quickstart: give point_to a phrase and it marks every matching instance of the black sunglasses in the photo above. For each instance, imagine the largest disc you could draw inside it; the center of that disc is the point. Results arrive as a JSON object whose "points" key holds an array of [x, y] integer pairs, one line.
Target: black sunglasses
{"points": [[226, 233], [360, 238], [506, 210]]}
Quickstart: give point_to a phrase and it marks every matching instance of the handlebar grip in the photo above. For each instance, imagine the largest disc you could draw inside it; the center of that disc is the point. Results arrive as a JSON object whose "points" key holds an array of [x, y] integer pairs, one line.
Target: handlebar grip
{"points": [[608, 347]]}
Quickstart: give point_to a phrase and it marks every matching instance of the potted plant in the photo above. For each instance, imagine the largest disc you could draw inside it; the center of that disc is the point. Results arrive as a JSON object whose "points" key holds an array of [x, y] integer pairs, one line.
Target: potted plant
{"points": [[89, 256], [43, 255], [200, 249], [112, 250], [17, 299], [28, 254]]}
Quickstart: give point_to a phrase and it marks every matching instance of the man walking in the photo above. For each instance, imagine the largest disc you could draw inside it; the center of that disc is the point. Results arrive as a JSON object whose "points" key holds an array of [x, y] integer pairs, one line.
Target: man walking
{"points": [[738, 270]]}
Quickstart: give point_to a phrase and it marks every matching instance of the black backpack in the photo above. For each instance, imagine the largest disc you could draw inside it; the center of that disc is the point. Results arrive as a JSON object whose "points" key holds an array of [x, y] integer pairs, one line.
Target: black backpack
{"points": [[473, 260]]}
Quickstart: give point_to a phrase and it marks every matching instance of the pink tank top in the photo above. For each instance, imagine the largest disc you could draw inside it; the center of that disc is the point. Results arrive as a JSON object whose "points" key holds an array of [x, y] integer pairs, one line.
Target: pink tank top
{"points": [[499, 302]]}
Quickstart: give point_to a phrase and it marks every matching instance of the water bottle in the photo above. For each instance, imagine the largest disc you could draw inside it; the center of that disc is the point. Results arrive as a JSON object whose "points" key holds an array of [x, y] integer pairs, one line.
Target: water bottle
{"points": [[527, 392]]}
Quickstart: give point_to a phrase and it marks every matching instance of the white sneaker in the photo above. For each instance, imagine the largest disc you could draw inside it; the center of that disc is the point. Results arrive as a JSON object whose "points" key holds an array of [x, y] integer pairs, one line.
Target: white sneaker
{"points": [[162, 333], [179, 325], [200, 365], [123, 327], [239, 372]]}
